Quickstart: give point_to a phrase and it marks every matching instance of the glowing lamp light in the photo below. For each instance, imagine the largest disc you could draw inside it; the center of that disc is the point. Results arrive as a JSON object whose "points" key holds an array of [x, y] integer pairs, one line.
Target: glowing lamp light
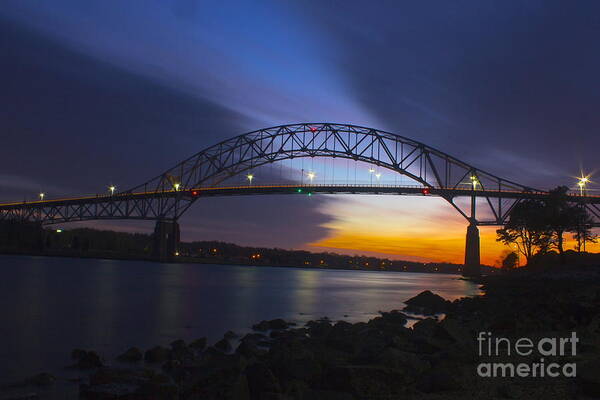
{"points": [[313, 129], [311, 176], [195, 193], [42, 196], [371, 170], [582, 182], [59, 231], [176, 186], [378, 175], [250, 177], [112, 189], [426, 191]]}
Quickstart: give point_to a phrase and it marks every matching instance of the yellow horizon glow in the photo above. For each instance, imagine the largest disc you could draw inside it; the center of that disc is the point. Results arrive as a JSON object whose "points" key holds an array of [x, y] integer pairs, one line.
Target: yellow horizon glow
{"points": [[424, 229]]}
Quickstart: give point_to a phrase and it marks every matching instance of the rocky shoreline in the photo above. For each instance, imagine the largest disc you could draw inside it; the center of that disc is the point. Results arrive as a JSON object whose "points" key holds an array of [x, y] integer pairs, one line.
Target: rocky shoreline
{"points": [[436, 358]]}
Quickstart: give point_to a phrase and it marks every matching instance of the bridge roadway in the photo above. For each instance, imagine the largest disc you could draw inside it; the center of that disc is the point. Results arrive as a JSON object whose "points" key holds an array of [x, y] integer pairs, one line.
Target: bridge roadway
{"points": [[307, 189]]}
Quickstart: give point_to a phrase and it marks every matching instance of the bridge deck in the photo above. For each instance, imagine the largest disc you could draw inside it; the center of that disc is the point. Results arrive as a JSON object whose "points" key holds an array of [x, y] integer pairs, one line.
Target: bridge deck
{"points": [[294, 189]]}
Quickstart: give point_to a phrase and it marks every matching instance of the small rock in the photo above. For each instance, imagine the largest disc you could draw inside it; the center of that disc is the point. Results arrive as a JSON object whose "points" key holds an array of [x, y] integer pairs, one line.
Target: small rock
{"points": [[89, 360], [178, 344], [508, 391], [249, 349], [163, 391], [261, 326], [223, 345], [107, 391], [260, 380], [272, 324], [156, 354], [42, 379], [253, 337], [131, 355], [198, 344], [394, 358], [76, 354], [230, 335], [27, 396], [329, 395]]}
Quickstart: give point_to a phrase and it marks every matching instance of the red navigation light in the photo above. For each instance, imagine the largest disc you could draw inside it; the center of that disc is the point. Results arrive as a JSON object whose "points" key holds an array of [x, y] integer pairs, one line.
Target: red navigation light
{"points": [[195, 193], [313, 129], [425, 191]]}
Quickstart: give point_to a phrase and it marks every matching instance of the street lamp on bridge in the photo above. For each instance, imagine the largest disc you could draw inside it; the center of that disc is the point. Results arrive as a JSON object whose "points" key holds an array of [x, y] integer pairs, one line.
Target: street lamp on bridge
{"points": [[584, 180], [311, 175], [112, 189], [474, 181], [42, 196], [250, 177]]}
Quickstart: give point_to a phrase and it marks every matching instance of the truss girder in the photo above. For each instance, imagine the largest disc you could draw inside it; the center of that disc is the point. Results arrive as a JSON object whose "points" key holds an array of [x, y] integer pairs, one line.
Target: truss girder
{"points": [[164, 196]]}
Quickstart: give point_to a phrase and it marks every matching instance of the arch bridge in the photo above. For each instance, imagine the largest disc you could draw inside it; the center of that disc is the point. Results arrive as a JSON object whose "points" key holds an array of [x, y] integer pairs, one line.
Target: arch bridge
{"points": [[167, 196]]}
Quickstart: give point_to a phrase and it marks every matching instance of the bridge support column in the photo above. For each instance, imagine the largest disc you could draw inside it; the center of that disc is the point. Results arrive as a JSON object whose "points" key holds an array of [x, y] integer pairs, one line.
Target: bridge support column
{"points": [[166, 240], [472, 254]]}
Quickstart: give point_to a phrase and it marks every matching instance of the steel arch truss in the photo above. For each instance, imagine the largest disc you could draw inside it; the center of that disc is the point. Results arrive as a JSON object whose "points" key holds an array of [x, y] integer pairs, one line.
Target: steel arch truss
{"points": [[169, 195], [142, 206], [426, 165]]}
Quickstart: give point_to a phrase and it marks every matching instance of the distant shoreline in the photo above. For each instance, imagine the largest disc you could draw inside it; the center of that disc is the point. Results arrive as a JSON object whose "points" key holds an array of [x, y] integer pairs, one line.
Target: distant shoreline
{"points": [[192, 260]]}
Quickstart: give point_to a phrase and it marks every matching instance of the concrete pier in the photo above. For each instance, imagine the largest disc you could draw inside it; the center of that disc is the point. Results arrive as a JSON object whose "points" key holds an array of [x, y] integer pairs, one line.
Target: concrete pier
{"points": [[472, 252], [166, 240]]}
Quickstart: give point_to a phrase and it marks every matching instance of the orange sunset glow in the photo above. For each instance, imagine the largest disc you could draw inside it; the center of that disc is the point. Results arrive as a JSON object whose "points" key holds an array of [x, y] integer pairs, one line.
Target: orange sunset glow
{"points": [[423, 229]]}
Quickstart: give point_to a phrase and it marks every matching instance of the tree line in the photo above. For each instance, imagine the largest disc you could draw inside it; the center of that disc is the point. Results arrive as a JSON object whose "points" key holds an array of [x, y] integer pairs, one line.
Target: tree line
{"points": [[538, 227]]}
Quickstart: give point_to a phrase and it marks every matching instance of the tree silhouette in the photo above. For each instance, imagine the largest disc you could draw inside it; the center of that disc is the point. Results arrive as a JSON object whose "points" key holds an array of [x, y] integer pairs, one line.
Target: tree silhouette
{"points": [[538, 226], [584, 232], [562, 216], [527, 228], [510, 261]]}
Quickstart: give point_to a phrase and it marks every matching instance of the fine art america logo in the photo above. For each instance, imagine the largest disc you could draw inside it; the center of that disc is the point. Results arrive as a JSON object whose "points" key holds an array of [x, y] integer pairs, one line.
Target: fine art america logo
{"points": [[538, 350]]}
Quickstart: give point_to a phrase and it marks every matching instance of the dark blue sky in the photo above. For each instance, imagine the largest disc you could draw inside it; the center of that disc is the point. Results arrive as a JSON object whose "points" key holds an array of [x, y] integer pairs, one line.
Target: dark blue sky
{"points": [[110, 91]]}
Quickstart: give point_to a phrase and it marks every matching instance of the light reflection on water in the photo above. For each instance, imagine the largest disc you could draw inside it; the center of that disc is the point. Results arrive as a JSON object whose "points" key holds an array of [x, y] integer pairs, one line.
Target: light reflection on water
{"points": [[48, 306]]}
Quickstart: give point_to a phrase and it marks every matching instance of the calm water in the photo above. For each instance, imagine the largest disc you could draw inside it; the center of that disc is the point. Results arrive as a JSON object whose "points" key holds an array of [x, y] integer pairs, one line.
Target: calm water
{"points": [[48, 306]]}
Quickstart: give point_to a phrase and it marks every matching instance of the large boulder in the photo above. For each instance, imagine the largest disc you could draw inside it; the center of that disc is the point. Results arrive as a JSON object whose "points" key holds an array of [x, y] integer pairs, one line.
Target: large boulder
{"points": [[250, 349], [366, 382], [438, 380], [427, 303], [319, 329], [293, 360], [588, 377], [411, 363], [394, 317]]}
